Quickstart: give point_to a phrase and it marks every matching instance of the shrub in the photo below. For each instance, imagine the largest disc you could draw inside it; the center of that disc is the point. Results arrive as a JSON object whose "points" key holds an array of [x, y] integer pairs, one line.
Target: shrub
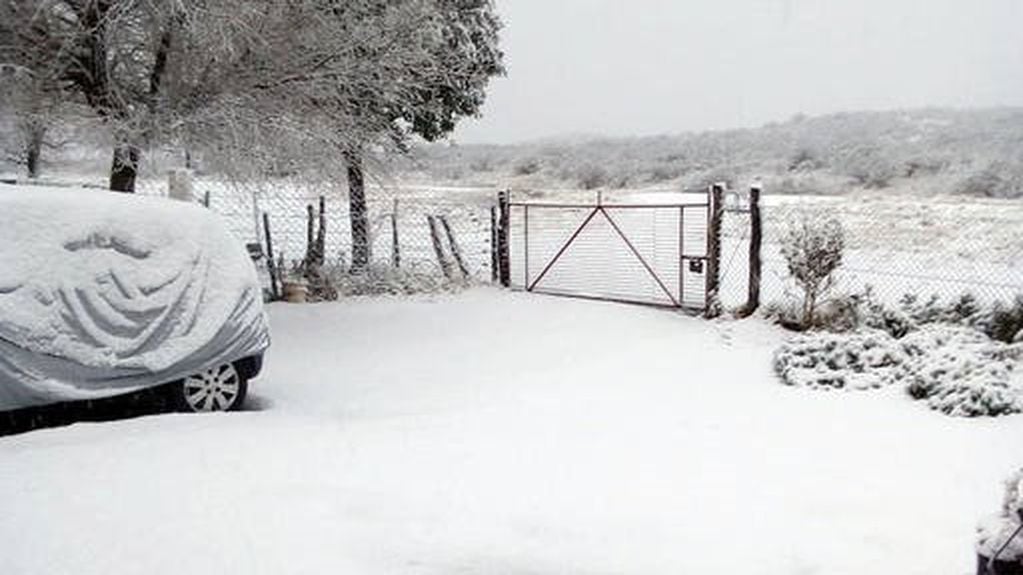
{"points": [[994, 532], [527, 167], [1001, 321], [863, 360], [961, 372], [955, 370], [592, 177], [813, 249], [868, 167], [997, 180], [874, 313], [804, 160]]}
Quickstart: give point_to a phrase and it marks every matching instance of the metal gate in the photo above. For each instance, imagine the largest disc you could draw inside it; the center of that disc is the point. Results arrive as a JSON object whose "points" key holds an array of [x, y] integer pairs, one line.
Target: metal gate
{"points": [[652, 254]]}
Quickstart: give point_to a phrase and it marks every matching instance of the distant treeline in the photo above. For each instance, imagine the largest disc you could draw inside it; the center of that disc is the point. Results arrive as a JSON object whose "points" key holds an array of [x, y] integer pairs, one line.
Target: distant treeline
{"points": [[975, 152]]}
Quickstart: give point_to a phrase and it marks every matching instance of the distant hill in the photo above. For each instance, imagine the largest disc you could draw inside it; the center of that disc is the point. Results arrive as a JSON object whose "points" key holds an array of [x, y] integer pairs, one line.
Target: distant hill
{"points": [[940, 151]]}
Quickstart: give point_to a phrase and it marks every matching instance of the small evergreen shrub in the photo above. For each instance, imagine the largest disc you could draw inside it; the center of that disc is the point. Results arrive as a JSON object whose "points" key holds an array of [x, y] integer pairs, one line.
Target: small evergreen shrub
{"points": [[857, 361], [956, 370], [961, 372]]}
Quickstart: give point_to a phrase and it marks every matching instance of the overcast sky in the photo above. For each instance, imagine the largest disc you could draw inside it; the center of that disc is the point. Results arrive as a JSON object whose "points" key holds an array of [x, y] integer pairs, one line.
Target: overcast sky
{"points": [[640, 67]]}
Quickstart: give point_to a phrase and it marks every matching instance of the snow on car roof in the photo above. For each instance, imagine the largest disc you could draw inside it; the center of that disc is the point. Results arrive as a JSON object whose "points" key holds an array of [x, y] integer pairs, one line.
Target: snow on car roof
{"points": [[106, 280]]}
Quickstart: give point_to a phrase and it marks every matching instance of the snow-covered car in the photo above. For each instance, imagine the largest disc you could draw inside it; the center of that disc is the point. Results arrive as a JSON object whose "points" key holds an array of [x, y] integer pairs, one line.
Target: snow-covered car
{"points": [[104, 294]]}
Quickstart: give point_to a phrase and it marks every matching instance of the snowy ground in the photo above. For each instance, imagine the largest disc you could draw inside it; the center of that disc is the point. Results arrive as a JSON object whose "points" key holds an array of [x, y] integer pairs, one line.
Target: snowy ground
{"points": [[506, 433]]}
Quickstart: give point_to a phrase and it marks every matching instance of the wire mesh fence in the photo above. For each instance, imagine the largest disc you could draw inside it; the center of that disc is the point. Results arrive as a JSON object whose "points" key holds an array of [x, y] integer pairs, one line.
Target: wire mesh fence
{"points": [[894, 245], [924, 247], [426, 231]]}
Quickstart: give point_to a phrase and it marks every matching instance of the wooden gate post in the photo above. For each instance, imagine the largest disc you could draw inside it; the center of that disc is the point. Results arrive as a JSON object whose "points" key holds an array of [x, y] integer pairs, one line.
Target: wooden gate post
{"points": [[503, 232], [493, 244], [755, 242], [715, 216]]}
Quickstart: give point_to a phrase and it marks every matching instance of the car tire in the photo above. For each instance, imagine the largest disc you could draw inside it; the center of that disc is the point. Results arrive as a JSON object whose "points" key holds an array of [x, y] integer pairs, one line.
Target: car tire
{"points": [[220, 388]]}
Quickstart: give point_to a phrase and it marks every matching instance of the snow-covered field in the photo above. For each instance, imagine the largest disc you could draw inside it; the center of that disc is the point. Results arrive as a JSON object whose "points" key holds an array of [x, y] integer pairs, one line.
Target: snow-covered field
{"points": [[491, 432]]}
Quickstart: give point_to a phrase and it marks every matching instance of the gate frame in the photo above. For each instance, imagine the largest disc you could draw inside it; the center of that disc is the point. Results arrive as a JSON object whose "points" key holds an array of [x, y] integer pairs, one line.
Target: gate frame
{"points": [[599, 207]]}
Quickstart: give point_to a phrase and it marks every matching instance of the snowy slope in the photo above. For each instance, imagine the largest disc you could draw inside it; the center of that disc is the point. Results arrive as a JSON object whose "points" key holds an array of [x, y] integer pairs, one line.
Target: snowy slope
{"points": [[503, 433]]}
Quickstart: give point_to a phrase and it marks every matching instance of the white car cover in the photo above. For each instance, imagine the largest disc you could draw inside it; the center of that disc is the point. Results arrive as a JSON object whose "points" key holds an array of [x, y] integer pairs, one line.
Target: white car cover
{"points": [[103, 294]]}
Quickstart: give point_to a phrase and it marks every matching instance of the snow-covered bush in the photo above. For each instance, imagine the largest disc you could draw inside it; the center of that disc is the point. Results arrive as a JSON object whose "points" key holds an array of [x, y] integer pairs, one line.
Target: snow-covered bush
{"points": [[994, 532], [956, 370], [874, 313], [869, 167], [1000, 320], [997, 180], [591, 177], [961, 372], [813, 248], [862, 360], [527, 167]]}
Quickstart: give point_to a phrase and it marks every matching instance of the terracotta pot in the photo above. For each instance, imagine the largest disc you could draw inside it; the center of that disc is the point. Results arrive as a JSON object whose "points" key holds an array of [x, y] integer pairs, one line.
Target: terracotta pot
{"points": [[295, 291]]}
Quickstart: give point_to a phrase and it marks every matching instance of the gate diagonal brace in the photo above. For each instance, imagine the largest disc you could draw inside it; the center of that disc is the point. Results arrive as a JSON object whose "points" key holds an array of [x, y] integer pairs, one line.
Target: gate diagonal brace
{"points": [[629, 244], [558, 255], [639, 257]]}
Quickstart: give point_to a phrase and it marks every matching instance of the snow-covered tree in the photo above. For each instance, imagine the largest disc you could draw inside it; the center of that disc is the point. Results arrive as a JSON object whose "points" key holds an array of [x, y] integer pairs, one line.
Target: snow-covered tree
{"points": [[458, 58], [813, 248], [257, 84]]}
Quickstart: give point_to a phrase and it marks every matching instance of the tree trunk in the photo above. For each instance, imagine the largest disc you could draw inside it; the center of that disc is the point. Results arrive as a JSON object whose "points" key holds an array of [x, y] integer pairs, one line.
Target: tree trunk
{"points": [[33, 150], [357, 212], [124, 168]]}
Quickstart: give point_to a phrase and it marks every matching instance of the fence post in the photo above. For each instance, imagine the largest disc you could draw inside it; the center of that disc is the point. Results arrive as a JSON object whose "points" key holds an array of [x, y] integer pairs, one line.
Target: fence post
{"points": [[310, 239], [715, 215], [438, 248], [755, 242], [271, 265], [395, 245], [456, 251], [493, 244], [321, 234], [503, 231]]}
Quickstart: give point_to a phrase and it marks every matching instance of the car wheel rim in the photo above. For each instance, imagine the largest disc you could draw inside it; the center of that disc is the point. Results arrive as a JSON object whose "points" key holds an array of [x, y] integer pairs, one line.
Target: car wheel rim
{"points": [[212, 390]]}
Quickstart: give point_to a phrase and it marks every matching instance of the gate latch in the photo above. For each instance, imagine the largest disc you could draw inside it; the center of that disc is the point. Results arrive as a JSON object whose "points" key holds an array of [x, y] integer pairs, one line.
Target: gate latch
{"points": [[696, 266]]}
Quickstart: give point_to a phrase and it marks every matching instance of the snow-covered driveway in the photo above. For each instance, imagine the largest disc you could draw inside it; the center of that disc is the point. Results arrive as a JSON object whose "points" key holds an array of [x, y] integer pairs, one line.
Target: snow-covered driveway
{"points": [[504, 433]]}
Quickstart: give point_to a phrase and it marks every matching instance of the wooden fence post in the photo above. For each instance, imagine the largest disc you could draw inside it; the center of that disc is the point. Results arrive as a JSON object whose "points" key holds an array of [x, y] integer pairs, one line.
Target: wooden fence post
{"points": [[438, 248], [310, 239], [715, 215], [321, 234], [456, 251], [493, 244], [395, 245], [271, 265], [503, 232], [755, 243]]}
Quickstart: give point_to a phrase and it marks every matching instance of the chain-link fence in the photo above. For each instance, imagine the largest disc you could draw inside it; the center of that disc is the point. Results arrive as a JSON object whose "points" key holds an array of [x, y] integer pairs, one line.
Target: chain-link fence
{"points": [[895, 245], [428, 232], [944, 247]]}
